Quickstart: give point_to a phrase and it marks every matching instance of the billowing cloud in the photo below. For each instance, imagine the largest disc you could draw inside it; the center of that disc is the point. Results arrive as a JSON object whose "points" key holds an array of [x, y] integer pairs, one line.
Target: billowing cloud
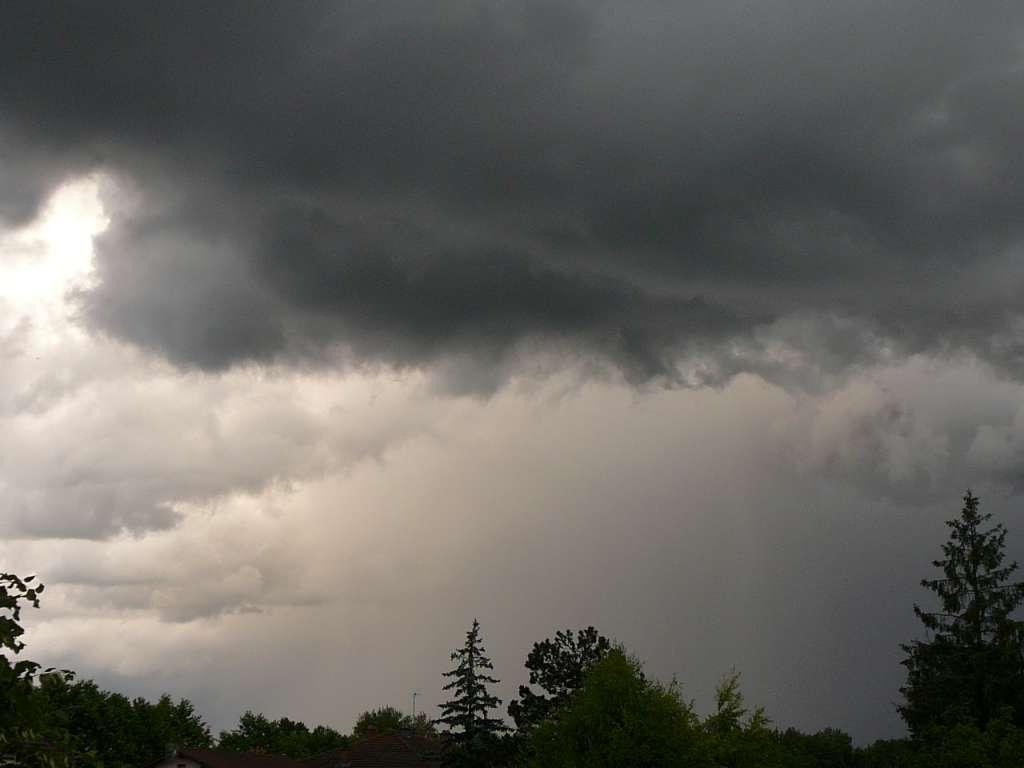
{"points": [[242, 352], [98, 439], [743, 526], [653, 185]]}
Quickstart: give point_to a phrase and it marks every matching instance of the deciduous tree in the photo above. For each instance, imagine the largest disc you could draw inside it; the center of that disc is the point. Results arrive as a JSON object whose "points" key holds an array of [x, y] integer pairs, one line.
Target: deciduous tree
{"points": [[619, 719], [291, 738], [382, 720], [557, 666], [26, 736]]}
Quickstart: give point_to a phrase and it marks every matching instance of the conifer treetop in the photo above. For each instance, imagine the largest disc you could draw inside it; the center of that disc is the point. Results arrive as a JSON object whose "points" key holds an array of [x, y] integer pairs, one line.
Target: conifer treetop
{"points": [[466, 714]]}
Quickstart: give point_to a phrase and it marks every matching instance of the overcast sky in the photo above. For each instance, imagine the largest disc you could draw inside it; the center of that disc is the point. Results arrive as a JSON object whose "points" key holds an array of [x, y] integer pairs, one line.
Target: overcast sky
{"points": [[328, 327]]}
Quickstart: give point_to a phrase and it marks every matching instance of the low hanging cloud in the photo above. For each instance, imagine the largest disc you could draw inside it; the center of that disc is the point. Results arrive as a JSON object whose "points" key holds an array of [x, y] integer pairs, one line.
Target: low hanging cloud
{"points": [[746, 506], [654, 186]]}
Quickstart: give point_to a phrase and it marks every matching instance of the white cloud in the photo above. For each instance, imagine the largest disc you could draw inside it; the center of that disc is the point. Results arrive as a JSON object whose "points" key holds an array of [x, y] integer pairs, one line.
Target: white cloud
{"points": [[97, 437]]}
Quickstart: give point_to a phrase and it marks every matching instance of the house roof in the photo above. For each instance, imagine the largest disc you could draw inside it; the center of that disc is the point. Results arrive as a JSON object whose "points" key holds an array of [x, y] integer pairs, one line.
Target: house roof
{"points": [[384, 750], [218, 758]]}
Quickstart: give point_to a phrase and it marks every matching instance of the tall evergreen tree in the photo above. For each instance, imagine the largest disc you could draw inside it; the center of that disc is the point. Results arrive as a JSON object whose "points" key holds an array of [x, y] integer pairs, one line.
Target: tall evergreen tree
{"points": [[972, 667], [473, 732]]}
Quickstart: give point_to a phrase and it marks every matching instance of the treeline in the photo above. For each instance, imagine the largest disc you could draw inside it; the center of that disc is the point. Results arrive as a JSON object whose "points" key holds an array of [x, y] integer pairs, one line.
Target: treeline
{"points": [[292, 738], [588, 701], [618, 716], [590, 704], [101, 728], [61, 722]]}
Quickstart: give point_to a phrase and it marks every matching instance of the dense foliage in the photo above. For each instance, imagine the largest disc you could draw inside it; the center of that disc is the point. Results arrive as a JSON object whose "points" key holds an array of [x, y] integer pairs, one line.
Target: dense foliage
{"points": [[382, 720], [391, 720], [557, 665], [292, 738], [27, 738], [619, 719], [108, 730]]}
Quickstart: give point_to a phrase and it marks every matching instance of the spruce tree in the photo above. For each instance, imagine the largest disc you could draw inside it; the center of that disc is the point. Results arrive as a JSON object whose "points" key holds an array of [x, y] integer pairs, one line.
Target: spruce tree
{"points": [[972, 666], [473, 734]]}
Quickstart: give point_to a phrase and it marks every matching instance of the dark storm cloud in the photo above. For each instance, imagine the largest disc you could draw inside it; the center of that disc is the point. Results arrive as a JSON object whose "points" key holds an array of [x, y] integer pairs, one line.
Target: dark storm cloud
{"points": [[298, 280], [411, 181], [29, 173]]}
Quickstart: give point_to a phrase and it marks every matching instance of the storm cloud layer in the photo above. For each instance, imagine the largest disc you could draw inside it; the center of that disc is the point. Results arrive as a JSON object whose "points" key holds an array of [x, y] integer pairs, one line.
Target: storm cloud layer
{"points": [[656, 184], [327, 326]]}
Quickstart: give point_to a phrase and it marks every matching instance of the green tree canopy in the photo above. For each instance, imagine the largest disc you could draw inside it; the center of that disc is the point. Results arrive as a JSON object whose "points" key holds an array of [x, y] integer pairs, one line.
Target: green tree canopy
{"points": [[737, 736], [382, 720], [619, 719], [557, 665], [965, 745], [108, 730], [291, 738], [971, 669], [827, 748], [26, 736], [389, 719]]}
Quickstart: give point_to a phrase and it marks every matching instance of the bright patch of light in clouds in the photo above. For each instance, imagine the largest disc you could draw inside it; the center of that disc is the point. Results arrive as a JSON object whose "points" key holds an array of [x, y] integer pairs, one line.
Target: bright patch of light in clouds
{"points": [[40, 263]]}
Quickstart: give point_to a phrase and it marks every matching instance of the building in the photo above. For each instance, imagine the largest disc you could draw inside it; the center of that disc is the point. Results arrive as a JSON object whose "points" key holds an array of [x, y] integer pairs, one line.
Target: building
{"points": [[218, 758], [382, 750], [377, 750]]}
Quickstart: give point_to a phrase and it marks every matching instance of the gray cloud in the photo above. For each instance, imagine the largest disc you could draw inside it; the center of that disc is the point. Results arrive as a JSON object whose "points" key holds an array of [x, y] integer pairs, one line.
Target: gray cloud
{"points": [[97, 440], [647, 182], [120, 455], [737, 526], [823, 196], [205, 300], [30, 174], [175, 513]]}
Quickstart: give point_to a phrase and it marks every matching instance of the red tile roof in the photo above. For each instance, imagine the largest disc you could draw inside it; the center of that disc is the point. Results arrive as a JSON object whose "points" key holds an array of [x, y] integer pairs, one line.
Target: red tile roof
{"points": [[385, 750], [218, 758], [329, 759]]}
